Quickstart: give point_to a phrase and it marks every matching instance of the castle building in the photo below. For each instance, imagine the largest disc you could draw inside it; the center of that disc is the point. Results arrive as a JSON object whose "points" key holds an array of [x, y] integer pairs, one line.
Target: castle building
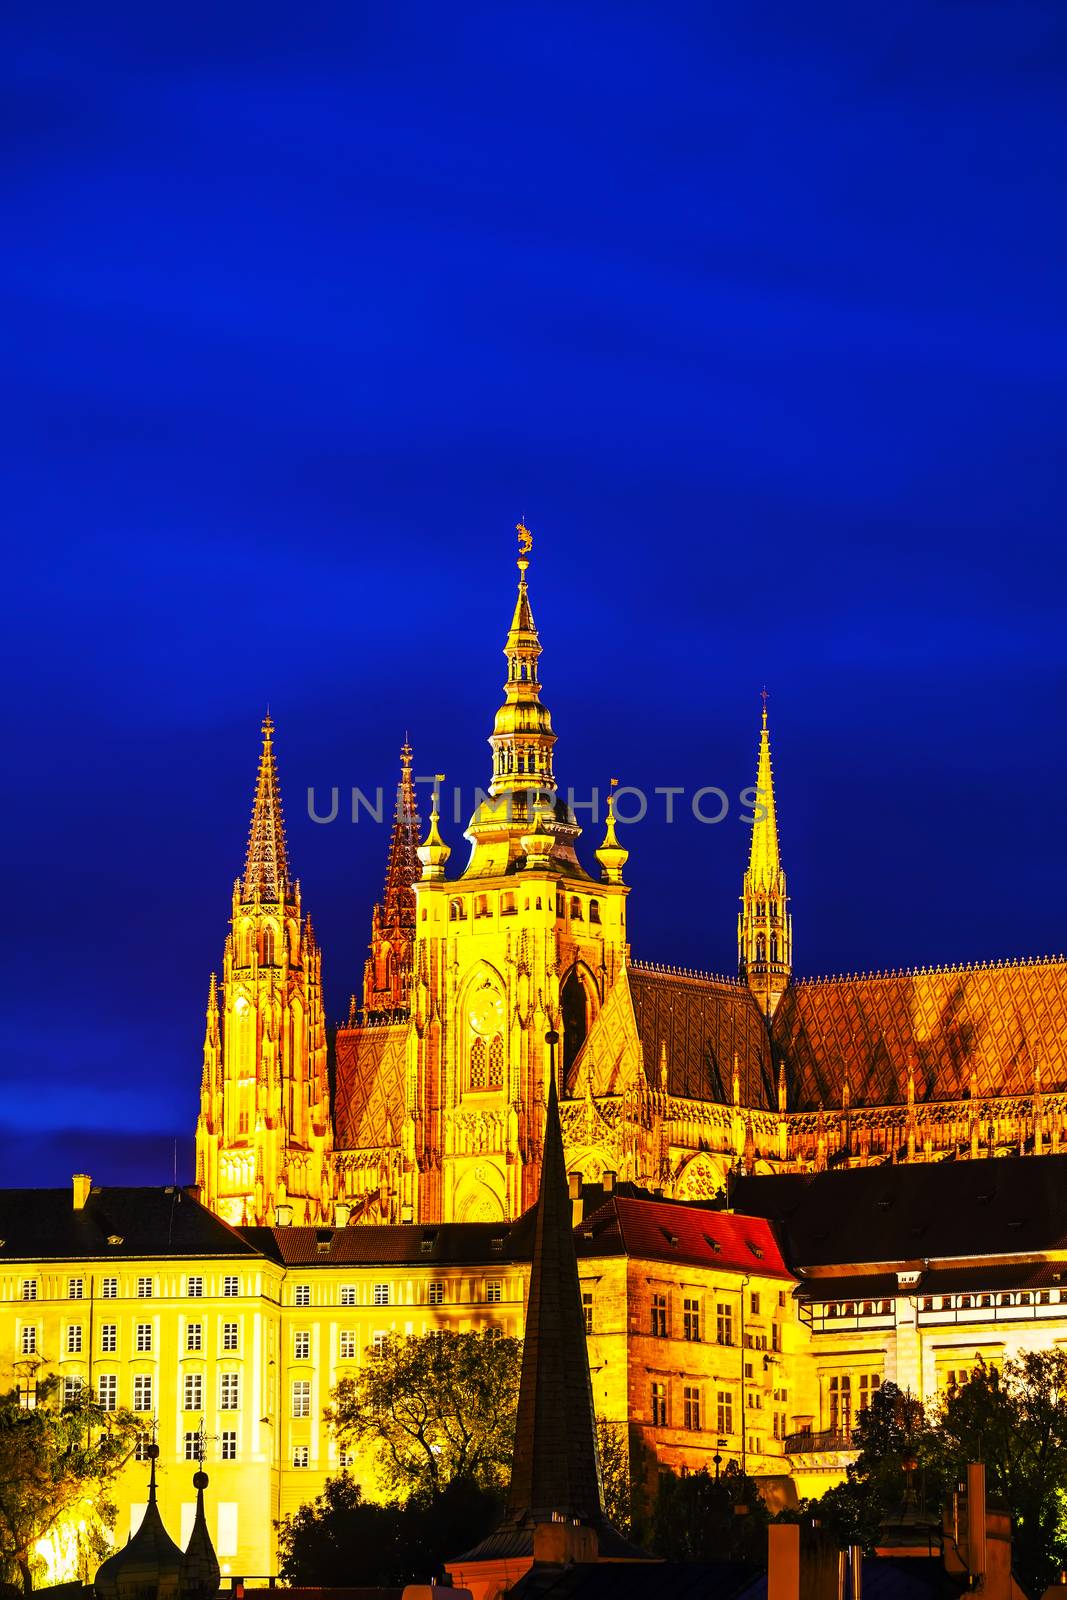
{"points": [[673, 1080]]}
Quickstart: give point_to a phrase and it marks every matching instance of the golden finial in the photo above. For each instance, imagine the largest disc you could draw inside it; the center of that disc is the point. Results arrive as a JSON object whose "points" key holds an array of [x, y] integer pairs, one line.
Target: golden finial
{"points": [[764, 698], [525, 538]]}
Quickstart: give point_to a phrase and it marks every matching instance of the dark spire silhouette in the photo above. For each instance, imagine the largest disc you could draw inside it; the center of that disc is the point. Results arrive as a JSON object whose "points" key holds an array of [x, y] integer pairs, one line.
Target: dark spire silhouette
{"points": [[556, 1467]]}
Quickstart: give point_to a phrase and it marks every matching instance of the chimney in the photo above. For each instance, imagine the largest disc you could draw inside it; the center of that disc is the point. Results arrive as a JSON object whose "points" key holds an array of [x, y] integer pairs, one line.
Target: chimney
{"points": [[976, 1520], [574, 1189], [609, 1182], [783, 1561], [82, 1184], [283, 1216], [341, 1213]]}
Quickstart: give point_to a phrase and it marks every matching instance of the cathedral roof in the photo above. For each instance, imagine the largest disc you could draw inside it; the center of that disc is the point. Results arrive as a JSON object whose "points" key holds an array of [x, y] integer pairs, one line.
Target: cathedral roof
{"points": [[993, 1024], [704, 1022], [369, 1098]]}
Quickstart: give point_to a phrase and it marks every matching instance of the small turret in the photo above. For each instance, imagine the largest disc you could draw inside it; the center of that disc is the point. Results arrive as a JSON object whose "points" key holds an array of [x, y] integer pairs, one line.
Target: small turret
{"points": [[433, 853], [611, 855]]}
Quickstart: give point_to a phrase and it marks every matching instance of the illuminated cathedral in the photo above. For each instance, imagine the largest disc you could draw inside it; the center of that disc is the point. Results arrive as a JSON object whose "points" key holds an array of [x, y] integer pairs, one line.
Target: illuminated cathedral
{"points": [[481, 982]]}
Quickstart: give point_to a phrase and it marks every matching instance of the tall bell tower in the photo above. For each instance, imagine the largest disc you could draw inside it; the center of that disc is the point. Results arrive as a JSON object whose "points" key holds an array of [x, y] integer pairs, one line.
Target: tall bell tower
{"points": [[765, 925], [521, 942], [263, 1136]]}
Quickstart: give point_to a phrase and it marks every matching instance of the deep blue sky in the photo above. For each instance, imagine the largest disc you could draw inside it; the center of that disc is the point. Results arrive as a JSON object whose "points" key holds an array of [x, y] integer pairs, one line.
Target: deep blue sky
{"points": [[756, 313]]}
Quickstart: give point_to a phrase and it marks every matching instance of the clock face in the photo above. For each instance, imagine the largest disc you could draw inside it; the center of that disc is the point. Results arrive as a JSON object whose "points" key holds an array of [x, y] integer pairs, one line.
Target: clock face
{"points": [[485, 1012]]}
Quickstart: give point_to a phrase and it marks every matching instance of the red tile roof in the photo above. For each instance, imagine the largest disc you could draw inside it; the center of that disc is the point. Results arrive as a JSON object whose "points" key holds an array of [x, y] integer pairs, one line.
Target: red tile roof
{"points": [[660, 1230]]}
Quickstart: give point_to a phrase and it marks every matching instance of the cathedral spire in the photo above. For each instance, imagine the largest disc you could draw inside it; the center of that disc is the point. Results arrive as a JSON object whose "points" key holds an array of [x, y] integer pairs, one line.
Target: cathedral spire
{"points": [[555, 1472], [387, 974], [765, 927], [266, 876]]}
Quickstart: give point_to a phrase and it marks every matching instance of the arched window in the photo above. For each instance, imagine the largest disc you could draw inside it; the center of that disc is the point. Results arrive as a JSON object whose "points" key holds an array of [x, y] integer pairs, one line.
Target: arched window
{"points": [[576, 909], [574, 1006], [496, 1061], [456, 913], [478, 1064], [761, 947], [268, 946], [594, 910], [774, 947]]}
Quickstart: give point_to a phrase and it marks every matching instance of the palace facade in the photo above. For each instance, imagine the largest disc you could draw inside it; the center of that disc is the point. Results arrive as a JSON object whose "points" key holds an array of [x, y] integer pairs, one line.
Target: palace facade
{"points": [[669, 1079]]}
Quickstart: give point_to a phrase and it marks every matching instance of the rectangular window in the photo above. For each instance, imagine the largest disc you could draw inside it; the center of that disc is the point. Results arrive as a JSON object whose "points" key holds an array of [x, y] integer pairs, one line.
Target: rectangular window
{"points": [[192, 1444], [841, 1404], [228, 1444], [140, 1449], [107, 1392], [436, 1295], [109, 1338], [302, 1346], [348, 1294], [724, 1411], [346, 1457], [229, 1391], [109, 1289], [781, 1299], [75, 1288], [493, 1292], [72, 1388], [754, 1303], [587, 1310], [776, 1336], [144, 1288], [194, 1391], [347, 1346], [74, 1339], [724, 1324], [230, 1287], [870, 1383], [301, 1455], [229, 1336], [144, 1338], [194, 1288], [381, 1294], [659, 1316], [302, 1294], [302, 1397], [194, 1336], [142, 1392], [691, 1320], [377, 1344], [659, 1405], [29, 1288], [691, 1407], [29, 1341]]}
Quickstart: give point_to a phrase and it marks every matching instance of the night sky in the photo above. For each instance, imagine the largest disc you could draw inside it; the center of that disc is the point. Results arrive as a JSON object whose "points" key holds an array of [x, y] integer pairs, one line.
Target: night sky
{"points": [[755, 312]]}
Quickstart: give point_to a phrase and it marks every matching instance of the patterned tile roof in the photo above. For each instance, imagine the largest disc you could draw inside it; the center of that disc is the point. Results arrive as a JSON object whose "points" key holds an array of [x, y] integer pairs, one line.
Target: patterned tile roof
{"points": [[993, 1022], [703, 1021], [369, 1092]]}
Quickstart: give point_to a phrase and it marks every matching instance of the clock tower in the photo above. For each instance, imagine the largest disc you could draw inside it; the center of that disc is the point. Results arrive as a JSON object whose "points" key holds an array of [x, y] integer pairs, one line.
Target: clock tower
{"points": [[523, 940]]}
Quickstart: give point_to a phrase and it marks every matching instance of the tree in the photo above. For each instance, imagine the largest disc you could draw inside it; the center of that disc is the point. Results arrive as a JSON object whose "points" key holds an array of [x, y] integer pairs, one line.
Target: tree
{"points": [[435, 1407], [1015, 1420], [613, 1443], [342, 1539], [53, 1459], [701, 1518]]}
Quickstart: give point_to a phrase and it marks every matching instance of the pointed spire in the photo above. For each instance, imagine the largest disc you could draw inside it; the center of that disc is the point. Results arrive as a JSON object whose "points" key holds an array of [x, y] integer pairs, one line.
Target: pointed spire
{"points": [[150, 1562], [522, 737], [200, 1568], [556, 1468], [387, 974], [765, 927], [764, 860], [266, 874]]}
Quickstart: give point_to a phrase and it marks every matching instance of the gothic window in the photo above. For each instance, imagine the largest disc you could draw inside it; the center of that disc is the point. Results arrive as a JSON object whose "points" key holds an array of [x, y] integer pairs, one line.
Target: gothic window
{"points": [[761, 947], [268, 946], [574, 1006], [774, 908], [478, 1064], [384, 967], [496, 1061], [774, 947], [456, 913]]}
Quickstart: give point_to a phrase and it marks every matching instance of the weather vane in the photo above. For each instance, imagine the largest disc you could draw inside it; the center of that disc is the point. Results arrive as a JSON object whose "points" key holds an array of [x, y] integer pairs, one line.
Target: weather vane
{"points": [[525, 538]]}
